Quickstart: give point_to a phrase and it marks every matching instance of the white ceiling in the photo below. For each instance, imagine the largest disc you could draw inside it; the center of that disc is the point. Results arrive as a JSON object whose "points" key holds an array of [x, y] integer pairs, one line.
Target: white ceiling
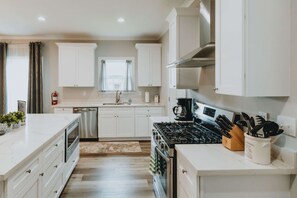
{"points": [[95, 19]]}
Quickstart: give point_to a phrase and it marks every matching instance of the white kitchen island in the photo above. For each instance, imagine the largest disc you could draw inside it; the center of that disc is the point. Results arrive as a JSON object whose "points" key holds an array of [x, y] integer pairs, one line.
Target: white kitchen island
{"points": [[32, 157], [212, 171]]}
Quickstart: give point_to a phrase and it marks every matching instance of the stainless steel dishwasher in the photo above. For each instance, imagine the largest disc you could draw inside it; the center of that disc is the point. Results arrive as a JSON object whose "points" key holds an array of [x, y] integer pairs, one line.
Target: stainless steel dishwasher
{"points": [[88, 128]]}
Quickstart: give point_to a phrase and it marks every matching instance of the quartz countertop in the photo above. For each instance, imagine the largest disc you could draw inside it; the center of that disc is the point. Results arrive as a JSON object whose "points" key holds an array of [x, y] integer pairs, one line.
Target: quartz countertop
{"points": [[27, 141], [100, 104], [215, 159]]}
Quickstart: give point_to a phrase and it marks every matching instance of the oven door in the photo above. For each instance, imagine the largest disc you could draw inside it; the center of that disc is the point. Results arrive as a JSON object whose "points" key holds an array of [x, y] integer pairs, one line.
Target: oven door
{"points": [[163, 179], [71, 139]]}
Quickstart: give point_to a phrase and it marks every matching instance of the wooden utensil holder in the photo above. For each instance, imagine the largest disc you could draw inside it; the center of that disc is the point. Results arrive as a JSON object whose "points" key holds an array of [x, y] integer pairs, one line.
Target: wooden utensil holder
{"points": [[236, 142]]}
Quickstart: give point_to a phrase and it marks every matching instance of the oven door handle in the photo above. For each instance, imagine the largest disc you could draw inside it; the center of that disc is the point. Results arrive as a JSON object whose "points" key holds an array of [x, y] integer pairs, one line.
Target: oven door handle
{"points": [[71, 128], [167, 159]]}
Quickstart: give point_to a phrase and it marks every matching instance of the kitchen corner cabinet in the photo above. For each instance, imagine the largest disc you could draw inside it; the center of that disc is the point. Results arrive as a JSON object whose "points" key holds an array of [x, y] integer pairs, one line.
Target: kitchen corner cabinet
{"points": [[77, 64], [183, 32], [116, 122], [253, 47], [149, 64], [142, 115]]}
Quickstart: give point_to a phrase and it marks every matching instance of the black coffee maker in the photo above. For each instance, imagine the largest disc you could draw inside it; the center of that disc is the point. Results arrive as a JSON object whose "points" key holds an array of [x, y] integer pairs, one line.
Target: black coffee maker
{"points": [[183, 110]]}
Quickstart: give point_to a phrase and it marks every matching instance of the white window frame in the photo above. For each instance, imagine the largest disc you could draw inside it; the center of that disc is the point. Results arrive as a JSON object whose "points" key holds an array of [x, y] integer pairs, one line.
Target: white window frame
{"points": [[132, 59]]}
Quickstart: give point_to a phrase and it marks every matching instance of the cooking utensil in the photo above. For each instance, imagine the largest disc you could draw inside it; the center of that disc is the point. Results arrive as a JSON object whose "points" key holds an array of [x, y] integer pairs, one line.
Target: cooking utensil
{"points": [[256, 129], [252, 122], [226, 125], [246, 117], [280, 131], [227, 120], [260, 119], [222, 129], [242, 123], [270, 128]]}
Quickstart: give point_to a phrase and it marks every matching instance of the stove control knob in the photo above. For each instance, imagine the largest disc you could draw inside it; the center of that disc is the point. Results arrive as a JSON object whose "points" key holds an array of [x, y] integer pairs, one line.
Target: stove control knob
{"points": [[158, 138]]}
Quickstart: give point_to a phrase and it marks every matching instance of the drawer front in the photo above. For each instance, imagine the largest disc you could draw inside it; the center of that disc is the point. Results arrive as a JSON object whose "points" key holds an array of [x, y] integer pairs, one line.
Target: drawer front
{"points": [[24, 176], [148, 111], [70, 164], [125, 111], [64, 110], [51, 172], [186, 177], [157, 111], [141, 111], [56, 190], [53, 149], [107, 111]]}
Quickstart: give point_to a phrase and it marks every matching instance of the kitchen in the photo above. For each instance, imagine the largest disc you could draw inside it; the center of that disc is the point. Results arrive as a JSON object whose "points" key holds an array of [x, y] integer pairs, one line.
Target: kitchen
{"points": [[126, 47]]}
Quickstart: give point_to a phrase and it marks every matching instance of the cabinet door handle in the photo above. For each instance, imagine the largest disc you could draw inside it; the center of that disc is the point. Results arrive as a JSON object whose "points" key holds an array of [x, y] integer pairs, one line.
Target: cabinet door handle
{"points": [[41, 174], [56, 166], [56, 145], [28, 171], [55, 191], [184, 171]]}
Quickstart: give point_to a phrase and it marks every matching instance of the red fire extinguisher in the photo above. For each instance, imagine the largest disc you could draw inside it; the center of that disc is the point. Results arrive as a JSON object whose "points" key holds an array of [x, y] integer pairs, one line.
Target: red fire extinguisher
{"points": [[54, 98]]}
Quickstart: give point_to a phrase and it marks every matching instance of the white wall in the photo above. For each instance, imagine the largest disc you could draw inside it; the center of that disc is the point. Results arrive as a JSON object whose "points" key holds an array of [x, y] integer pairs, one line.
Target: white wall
{"points": [[104, 49], [273, 105]]}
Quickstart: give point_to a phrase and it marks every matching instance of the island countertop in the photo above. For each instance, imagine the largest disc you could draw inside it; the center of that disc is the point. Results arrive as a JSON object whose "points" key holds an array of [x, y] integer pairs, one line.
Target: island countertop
{"points": [[215, 159], [25, 142]]}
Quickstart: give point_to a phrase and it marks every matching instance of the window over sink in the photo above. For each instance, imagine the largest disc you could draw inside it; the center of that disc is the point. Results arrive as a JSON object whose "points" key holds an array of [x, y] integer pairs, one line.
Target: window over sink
{"points": [[116, 73]]}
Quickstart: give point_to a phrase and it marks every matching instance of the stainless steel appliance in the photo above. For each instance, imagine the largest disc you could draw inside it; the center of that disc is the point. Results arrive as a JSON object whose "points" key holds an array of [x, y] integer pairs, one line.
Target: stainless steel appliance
{"points": [[205, 54], [203, 130], [71, 139], [183, 110], [88, 128]]}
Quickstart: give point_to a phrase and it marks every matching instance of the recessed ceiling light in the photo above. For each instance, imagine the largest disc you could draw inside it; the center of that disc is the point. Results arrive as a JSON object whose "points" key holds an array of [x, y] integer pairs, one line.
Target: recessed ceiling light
{"points": [[121, 20], [41, 18]]}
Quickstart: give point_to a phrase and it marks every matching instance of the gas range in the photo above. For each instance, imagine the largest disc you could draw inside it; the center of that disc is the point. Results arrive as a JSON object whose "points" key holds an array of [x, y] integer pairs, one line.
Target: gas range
{"points": [[203, 130], [167, 134]]}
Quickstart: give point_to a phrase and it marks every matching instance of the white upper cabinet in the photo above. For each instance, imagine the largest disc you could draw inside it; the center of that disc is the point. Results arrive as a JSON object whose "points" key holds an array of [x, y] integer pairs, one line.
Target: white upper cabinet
{"points": [[149, 64], [77, 64], [253, 47], [183, 32]]}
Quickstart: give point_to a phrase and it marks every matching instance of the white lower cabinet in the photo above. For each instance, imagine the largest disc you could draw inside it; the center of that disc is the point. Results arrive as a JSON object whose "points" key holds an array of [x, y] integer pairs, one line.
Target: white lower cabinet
{"points": [[142, 115], [45, 175], [191, 185], [116, 122]]}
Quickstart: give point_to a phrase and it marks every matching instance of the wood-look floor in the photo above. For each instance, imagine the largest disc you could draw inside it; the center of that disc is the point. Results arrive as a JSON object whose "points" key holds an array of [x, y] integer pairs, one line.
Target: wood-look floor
{"points": [[112, 176]]}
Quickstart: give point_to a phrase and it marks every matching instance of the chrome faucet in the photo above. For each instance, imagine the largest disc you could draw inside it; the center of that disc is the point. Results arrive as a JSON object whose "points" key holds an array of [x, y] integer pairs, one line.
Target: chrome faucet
{"points": [[118, 96]]}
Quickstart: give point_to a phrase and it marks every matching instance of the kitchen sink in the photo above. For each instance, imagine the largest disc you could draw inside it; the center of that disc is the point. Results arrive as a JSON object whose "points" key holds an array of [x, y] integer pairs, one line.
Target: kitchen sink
{"points": [[114, 103]]}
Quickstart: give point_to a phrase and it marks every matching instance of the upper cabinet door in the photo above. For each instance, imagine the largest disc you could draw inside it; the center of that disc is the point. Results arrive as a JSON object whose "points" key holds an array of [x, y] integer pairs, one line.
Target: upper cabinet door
{"points": [[85, 68], [143, 66], [67, 66], [155, 66], [229, 47], [149, 64], [253, 47], [77, 64]]}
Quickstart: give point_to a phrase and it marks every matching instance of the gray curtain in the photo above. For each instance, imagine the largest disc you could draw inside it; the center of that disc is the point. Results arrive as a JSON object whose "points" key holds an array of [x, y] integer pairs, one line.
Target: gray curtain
{"points": [[3, 55], [35, 88]]}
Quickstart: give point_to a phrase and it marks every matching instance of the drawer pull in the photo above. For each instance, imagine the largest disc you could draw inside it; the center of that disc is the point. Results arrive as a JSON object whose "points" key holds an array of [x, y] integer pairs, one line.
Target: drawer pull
{"points": [[56, 166], [184, 171], [28, 171], [55, 191], [56, 145], [41, 174]]}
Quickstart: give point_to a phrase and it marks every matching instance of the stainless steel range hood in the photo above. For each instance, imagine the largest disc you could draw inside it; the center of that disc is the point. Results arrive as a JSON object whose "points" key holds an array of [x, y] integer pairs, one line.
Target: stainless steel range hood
{"points": [[205, 54]]}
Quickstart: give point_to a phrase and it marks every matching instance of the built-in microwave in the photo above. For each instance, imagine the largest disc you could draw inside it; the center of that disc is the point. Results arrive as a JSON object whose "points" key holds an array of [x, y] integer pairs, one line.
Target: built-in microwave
{"points": [[71, 139]]}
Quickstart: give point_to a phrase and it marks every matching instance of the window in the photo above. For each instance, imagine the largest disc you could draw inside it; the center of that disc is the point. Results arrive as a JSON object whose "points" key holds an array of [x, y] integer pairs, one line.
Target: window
{"points": [[17, 69], [116, 74]]}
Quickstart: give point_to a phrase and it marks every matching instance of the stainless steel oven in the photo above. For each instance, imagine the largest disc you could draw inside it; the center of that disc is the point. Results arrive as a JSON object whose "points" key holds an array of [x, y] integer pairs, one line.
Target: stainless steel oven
{"points": [[71, 139], [163, 178]]}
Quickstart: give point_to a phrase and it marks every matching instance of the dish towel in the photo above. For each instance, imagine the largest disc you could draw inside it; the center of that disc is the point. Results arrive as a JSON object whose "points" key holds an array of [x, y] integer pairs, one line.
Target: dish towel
{"points": [[153, 164]]}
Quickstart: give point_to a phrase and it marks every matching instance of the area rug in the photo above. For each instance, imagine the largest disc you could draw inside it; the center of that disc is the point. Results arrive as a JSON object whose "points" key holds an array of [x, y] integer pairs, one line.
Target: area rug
{"points": [[109, 147]]}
